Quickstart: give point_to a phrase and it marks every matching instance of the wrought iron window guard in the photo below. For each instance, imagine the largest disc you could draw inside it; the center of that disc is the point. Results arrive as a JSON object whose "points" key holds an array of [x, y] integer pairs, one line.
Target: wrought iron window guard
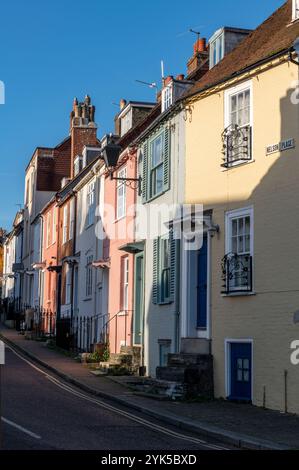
{"points": [[236, 273], [236, 146]]}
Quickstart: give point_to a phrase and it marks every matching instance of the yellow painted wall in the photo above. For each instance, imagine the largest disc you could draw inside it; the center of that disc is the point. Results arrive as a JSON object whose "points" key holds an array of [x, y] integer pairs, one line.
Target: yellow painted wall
{"points": [[271, 185]]}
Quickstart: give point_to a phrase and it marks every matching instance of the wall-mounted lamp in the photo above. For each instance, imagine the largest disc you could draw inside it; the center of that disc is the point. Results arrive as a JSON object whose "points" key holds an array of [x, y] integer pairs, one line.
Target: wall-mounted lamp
{"points": [[111, 153]]}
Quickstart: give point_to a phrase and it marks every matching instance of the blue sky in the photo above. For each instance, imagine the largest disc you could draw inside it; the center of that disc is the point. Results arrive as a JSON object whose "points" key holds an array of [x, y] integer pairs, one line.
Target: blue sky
{"points": [[53, 50]]}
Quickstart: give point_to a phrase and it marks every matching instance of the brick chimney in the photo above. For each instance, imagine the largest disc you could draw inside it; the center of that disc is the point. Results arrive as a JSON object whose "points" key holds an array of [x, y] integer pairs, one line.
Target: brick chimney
{"points": [[83, 129], [198, 64]]}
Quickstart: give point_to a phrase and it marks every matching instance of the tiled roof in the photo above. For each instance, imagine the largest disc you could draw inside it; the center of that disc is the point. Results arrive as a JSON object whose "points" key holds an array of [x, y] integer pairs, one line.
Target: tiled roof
{"points": [[274, 35]]}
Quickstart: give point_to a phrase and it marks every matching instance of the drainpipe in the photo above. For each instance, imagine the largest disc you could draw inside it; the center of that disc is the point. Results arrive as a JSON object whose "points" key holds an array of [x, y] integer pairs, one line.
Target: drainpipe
{"points": [[177, 298]]}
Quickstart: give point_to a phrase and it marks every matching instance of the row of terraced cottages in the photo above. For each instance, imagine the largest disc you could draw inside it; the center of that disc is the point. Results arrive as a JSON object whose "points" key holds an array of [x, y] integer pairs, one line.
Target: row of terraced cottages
{"points": [[100, 235]]}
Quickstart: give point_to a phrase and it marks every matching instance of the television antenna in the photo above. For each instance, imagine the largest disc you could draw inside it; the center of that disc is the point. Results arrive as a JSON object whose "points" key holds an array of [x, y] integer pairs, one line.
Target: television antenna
{"points": [[195, 32], [149, 84]]}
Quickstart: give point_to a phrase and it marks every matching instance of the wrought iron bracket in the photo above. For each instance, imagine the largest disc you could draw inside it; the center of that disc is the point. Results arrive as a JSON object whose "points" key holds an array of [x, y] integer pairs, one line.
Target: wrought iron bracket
{"points": [[134, 183]]}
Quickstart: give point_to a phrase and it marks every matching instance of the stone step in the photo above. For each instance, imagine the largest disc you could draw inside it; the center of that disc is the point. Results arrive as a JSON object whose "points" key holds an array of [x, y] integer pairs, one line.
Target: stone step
{"points": [[171, 373], [195, 346], [185, 360], [120, 359], [133, 350]]}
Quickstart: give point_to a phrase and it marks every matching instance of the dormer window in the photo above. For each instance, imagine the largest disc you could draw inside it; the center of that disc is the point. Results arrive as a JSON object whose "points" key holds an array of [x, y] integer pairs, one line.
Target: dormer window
{"points": [[216, 49], [126, 122], [295, 13], [77, 165], [167, 96]]}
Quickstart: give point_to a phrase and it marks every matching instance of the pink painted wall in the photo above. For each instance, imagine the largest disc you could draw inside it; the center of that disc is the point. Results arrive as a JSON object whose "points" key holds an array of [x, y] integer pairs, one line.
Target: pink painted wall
{"points": [[49, 257], [120, 330]]}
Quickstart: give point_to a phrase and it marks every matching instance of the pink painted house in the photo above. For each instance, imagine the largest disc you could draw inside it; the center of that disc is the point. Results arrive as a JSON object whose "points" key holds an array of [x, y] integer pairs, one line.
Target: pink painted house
{"points": [[49, 256], [121, 196]]}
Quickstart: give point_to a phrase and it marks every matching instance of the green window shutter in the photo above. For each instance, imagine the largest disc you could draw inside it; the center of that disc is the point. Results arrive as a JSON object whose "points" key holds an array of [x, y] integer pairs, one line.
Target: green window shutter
{"points": [[156, 264], [145, 172], [173, 246], [166, 158]]}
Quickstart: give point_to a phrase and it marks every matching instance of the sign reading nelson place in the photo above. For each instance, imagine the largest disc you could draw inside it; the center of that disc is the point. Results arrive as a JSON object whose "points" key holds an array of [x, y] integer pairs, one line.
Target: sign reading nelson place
{"points": [[280, 146]]}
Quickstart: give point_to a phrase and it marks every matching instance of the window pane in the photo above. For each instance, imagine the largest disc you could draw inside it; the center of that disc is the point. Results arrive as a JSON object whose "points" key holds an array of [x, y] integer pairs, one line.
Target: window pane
{"points": [[157, 151], [247, 225], [240, 375], [246, 376], [247, 244], [165, 253], [241, 226], [241, 244], [233, 103], [234, 248], [247, 98], [159, 179], [246, 364], [234, 227]]}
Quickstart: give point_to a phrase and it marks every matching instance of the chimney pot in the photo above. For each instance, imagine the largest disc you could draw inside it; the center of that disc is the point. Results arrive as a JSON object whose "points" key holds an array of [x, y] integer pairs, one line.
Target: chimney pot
{"points": [[200, 45], [122, 103], [180, 77], [168, 80]]}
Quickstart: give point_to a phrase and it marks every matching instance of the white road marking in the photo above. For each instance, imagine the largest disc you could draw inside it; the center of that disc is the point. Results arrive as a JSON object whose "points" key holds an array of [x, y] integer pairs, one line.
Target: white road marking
{"points": [[113, 409], [20, 428]]}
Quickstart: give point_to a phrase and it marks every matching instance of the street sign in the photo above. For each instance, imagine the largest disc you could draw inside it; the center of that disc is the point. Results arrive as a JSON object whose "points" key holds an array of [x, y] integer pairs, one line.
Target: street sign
{"points": [[2, 353]]}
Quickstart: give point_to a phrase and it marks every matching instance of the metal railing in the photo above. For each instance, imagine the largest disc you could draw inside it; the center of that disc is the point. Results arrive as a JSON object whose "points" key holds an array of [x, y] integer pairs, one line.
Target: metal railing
{"points": [[237, 146], [117, 330], [236, 273]]}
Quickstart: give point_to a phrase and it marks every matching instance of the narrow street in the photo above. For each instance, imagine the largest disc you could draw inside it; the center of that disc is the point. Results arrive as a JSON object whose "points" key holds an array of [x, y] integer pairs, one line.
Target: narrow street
{"points": [[42, 412]]}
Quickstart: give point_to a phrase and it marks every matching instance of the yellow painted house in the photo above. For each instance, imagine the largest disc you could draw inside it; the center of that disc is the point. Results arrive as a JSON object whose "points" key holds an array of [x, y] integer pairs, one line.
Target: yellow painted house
{"points": [[242, 164]]}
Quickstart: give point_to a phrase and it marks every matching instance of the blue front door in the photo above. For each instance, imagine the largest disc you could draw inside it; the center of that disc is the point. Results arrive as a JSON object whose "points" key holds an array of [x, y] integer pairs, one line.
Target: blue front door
{"points": [[202, 267], [240, 371]]}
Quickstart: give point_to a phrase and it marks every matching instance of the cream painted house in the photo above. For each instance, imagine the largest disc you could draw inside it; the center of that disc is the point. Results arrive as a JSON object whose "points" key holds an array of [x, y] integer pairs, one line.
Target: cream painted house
{"points": [[242, 164]]}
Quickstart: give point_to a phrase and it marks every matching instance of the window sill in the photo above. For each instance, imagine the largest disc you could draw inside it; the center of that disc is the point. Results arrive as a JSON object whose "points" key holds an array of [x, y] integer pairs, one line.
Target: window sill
{"points": [[237, 165], [152, 198], [239, 294], [87, 299], [166, 302]]}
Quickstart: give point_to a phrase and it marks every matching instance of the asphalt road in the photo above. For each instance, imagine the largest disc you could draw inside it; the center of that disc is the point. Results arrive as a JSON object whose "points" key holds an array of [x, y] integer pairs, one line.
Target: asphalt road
{"points": [[41, 412]]}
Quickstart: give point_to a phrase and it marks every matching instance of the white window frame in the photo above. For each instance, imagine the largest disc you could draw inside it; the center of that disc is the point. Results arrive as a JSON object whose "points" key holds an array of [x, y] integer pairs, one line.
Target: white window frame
{"points": [[54, 225], [121, 194], [229, 217], [126, 122], [90, 202], [88, 276], [72, 219], [295, 10], [65, 224], [78, 163], [125, 284], [49, 226], [228, 94], [153, 168], [217, 45], [167, 97], [68, 284]]}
